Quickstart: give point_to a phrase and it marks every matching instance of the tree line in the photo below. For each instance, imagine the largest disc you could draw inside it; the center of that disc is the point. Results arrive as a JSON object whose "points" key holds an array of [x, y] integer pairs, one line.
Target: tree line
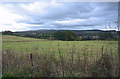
{"points": [[65, 35]]}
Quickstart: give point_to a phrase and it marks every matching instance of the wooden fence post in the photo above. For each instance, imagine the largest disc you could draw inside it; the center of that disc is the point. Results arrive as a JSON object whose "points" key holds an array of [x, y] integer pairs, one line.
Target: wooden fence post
{"points": [[102, 50], [31, 59]]}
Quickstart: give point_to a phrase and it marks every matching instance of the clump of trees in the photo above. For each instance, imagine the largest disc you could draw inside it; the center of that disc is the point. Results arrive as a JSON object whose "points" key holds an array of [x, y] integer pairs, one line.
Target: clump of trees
{"points": [[40, 36], [107, 36], [7, 33], [65, 35]]}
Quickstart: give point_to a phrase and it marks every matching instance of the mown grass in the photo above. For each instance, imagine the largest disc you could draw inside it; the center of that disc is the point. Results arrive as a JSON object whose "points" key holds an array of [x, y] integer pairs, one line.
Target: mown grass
{"points": [[58, 58]]}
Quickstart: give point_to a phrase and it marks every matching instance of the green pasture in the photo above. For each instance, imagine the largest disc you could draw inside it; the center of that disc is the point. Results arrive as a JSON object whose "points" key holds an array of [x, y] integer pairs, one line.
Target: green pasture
{"points": [[46, 56], [31, 45]]}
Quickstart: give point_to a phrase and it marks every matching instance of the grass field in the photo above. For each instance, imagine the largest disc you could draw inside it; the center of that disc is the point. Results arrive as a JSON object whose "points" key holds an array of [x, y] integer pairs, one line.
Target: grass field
{"points": [[29, 57]]}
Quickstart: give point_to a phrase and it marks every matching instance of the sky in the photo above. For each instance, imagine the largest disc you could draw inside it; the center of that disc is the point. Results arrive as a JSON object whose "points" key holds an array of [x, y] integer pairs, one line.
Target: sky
{"points": [[23, 16]]}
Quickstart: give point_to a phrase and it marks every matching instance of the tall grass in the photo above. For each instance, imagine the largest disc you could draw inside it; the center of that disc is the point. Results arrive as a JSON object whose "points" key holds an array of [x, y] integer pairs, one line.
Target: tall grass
{"points": [[58, 59], [34, 64]]}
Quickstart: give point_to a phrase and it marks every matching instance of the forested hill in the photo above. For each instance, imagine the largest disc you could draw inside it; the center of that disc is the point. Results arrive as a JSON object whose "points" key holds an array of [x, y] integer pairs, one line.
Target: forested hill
{"points": [[76, 31], [78, 34]]}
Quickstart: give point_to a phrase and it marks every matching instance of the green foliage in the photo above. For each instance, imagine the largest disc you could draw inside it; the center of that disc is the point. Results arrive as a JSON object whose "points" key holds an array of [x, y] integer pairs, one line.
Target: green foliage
{"points": [[107, 36], [7, 33], [65, 36]]}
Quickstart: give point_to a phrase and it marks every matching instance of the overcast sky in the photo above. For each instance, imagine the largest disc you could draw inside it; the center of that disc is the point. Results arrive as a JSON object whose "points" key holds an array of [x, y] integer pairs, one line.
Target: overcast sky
{"points": [[62, 15]]}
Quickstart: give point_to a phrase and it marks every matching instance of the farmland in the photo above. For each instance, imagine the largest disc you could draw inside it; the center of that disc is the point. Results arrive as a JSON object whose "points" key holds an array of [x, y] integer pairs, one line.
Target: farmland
{"points": [[54, 58]]}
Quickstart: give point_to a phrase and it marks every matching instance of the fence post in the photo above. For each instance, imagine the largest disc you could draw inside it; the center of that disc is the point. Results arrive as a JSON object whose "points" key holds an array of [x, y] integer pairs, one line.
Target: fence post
{"points": [[31, 59], [102, 50]]}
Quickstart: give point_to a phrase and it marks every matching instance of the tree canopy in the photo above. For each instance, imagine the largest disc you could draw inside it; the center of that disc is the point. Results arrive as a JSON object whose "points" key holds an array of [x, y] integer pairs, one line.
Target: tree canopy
{"points": [[7, 33], [65, 35]]}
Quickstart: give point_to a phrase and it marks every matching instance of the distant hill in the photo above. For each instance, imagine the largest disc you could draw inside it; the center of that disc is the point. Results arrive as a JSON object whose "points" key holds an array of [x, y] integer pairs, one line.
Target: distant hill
{"points": [[76, 31], [80, 34]]}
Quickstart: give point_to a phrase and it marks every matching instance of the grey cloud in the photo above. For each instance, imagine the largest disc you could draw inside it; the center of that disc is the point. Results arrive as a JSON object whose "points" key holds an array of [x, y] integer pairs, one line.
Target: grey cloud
{"points": [[103, 11], [36, 23]]}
